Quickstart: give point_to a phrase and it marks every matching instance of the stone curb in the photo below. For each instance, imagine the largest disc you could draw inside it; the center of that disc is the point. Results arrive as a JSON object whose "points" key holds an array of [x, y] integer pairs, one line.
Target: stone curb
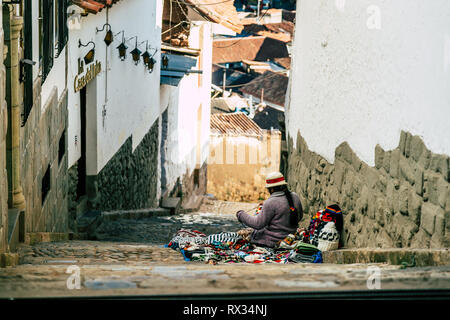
{"points": [[32, 238], [9, 259], [88, 223], [404, 256]]}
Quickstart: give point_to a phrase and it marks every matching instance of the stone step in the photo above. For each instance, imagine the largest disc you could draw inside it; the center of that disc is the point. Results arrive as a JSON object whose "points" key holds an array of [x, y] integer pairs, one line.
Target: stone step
{"points": [[134, 214], [401, 256], [173, 204], [13, 229]]}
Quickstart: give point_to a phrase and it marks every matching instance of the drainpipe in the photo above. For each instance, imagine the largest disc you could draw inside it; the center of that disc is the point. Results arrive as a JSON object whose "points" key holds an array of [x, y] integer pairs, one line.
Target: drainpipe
{"points": [[13, 26]]}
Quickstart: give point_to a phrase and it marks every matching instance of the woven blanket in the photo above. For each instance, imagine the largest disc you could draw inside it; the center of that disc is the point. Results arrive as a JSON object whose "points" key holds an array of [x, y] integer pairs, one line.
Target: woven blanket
{"points": [[230, 247]]}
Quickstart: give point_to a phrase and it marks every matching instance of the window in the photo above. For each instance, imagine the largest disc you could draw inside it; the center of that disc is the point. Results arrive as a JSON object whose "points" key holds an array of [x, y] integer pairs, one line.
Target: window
{"points": [[62, 146], [46, 41], [45, 184], [52, 32], [27, 76]]}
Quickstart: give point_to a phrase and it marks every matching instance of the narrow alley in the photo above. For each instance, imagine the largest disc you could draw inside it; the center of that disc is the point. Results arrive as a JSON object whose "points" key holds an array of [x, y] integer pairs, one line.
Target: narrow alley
{"points": [[225, 149]]}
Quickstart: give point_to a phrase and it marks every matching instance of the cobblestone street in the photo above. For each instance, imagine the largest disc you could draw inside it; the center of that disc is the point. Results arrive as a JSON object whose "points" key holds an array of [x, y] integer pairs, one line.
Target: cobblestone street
{"points": [[129, 258]]}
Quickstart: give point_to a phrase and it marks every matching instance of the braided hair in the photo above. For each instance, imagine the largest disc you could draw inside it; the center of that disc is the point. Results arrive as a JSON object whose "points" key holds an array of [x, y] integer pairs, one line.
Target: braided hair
{"points": [[294, 216]]}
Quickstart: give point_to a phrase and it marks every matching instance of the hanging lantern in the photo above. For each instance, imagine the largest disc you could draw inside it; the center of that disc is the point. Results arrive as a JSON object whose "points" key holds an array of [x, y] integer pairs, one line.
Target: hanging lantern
{"points": [[109, 37], [146, 57], [122, 51], [165, 61], [122, 47], [89, 57], [136, 54], [151, 64]]}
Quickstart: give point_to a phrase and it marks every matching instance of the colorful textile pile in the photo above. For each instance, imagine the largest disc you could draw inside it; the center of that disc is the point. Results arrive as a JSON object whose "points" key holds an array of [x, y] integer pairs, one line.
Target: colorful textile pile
{"points": [[324, 229], [231, 247]]}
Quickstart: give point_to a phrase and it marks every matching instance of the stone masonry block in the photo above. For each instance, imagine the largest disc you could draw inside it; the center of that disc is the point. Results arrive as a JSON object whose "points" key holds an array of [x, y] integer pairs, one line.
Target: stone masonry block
{"points": [[387, 161], [439, 163], [394, 163], [379, 156], [403, 199], [418, 181], [414, 207], [402, 143], [428, 217], [406, 170], [417, 148]]}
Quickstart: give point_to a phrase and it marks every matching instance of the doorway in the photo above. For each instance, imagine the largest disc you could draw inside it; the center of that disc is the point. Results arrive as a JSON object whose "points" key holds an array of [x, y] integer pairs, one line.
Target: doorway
{"points": [[81, 184]]}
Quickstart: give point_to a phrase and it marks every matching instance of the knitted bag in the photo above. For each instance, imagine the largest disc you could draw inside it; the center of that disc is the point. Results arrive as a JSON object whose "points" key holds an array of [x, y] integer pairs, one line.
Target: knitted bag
{"points": [[328, 237]]}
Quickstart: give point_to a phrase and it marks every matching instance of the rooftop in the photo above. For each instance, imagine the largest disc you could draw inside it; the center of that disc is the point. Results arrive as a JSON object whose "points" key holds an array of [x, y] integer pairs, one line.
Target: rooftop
{"points": [[249, 48], [234, 124], [91, 6], [221, 12], [281, 31], [273, 84]]}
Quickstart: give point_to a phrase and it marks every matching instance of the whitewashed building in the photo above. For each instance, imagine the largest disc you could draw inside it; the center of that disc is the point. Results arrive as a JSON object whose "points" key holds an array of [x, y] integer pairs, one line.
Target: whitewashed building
{"points": [[367, 117], [185, 95], [113, 95]]}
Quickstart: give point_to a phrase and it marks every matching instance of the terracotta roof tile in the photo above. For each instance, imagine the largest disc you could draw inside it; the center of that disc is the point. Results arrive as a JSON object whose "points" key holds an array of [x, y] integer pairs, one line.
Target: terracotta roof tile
{"points": [[284, 62], [248, 48], [282, 31], [234, 124], [221, 12], [92, 6], [274, 85]]}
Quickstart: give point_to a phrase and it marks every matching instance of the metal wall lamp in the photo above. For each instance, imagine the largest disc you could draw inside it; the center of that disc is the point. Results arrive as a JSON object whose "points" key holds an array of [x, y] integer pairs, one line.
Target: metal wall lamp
{"points": [[136, 53], [122, 47], [149, 62], [109, 37], [89, 57]]}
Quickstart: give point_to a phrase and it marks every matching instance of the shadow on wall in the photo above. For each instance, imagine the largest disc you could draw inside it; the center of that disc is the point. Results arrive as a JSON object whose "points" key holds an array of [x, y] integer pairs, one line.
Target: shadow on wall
{"points": [[403, 201]]}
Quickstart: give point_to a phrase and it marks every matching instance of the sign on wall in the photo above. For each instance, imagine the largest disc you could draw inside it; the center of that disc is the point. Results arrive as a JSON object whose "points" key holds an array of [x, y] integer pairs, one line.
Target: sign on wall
{"points": [[81, 80]]}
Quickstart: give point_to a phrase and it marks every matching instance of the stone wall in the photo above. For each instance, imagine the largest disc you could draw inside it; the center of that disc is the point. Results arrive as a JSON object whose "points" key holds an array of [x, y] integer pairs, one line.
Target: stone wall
{"points": [[39, 146], [193, 187], [403, 201], [3, 174], [72, 202], [129, 179]]}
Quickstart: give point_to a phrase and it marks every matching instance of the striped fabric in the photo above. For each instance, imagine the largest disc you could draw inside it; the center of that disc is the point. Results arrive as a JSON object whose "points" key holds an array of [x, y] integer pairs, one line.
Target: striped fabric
{"points": [[223, 237]]}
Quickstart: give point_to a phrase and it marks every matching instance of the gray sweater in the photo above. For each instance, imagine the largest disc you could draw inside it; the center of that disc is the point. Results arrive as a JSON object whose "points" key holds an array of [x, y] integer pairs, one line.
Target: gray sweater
{"points": [[272, 223]]}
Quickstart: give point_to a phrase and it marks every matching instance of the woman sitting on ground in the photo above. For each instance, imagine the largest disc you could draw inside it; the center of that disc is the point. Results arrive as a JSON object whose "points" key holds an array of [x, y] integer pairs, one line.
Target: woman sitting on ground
{"points": [[279, 216]]}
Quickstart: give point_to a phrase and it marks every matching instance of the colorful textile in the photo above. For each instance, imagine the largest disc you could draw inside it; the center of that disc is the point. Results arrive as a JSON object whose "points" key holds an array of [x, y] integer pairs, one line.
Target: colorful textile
{"points": [[328, 237], [196, 246], [223, 237], [330, 214]]}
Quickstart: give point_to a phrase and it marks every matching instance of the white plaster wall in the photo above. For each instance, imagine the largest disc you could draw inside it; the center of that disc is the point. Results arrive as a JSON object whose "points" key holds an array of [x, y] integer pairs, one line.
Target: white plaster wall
{"points": [[363, 70], [55, 78], [128, 93], [218, 29]]}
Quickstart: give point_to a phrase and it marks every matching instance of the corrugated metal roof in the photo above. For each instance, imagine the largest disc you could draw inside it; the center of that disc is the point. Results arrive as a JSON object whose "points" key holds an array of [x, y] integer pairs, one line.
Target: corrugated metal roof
{"points": [[234, 124]]}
